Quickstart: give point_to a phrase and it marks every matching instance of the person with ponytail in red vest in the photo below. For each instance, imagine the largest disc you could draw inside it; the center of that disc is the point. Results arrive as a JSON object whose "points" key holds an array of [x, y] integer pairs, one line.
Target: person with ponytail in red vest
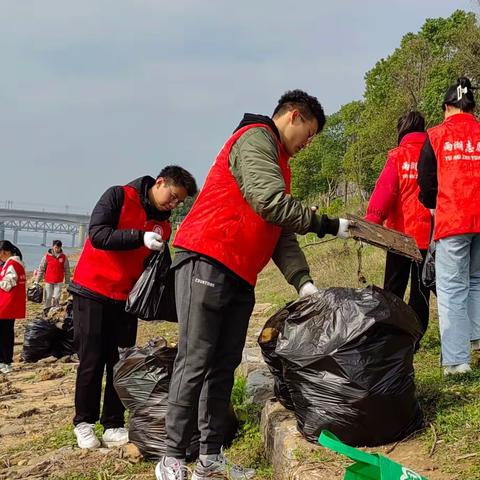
{"points": [[394, 203], [243, 217], [449, 180], [127, 224], [55, 269], [12, 300]]}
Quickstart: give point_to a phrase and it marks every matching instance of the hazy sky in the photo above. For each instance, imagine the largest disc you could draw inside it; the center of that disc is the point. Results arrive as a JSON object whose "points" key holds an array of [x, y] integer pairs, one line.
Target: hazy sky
{"points": [[97, 92]]}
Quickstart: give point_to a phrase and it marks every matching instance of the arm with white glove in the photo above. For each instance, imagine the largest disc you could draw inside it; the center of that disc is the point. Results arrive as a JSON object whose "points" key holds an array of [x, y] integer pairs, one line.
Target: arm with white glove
{"points": [[322, 225], [153, 241], [307, 289]]}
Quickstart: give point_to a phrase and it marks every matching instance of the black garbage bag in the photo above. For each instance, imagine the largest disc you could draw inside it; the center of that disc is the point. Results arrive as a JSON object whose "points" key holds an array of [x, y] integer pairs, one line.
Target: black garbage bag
{"points": [[142, 378], [428, 271], [347, 358], [268, 341], [152, 296], [35, 293], [39, 339], [64, 341]]}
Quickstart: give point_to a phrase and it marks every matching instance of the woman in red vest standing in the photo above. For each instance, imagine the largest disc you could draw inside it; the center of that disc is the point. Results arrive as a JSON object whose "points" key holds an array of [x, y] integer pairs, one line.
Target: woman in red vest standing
{"points": [[394, 202], [449, 180], [12, 300], [55, 269]]}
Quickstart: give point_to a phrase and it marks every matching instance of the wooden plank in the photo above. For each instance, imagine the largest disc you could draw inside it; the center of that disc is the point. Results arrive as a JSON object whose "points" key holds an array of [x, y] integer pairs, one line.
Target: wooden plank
{"points": [[383, 237]]}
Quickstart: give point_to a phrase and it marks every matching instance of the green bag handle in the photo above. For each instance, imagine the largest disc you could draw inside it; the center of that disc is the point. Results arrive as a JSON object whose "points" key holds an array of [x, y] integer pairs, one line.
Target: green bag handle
{"points": [[329, 440]]}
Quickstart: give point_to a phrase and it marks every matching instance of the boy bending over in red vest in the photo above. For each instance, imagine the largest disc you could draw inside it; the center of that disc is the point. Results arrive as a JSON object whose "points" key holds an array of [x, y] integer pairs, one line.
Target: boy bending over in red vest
{"points": [[127, 223], [243, 217]]}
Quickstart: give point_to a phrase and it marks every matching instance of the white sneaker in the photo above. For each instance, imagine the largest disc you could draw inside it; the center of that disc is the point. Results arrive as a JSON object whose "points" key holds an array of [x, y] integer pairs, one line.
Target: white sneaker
{"points": [[3, 368], [475, 344], [7, 368], [86, 437], [169, 468], [456, 369], [115, 437]]}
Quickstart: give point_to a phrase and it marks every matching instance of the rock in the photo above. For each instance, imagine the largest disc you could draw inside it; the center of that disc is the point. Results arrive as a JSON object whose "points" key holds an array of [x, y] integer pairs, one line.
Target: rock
{"points": [[291, 456], [251, 360], [259, 387]]}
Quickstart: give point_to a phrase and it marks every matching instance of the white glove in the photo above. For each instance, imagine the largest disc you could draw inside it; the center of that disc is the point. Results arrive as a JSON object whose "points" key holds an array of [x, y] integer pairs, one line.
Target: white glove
{"points": [[343, 225], [307, 289], [153, 241]]}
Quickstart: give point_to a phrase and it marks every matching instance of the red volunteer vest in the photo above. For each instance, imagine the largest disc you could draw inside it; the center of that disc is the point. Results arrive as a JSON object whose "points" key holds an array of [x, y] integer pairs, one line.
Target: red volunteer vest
{"points": [[223, 226], [113, 273], [456, 143], [13, 303], [54, 272], [408, 214]]}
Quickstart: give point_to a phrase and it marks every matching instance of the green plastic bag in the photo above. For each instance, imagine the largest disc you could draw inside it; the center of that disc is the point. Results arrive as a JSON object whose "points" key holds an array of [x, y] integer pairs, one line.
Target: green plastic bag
{"points": [[367, 466]]}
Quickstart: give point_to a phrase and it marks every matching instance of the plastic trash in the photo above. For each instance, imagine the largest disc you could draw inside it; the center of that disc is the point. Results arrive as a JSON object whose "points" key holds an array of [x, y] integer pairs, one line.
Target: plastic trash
{"points": [[268, 341], [35, 293], [347, 363], [152, 296], [367, 466], [142, 378], [428, 271], [40, 336]]}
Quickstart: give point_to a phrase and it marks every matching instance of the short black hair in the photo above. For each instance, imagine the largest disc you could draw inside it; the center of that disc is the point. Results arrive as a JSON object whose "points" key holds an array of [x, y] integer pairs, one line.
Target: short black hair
{"points": [[457, 97], [57, 243], [307, 105], [409, 123], [180, 177]]}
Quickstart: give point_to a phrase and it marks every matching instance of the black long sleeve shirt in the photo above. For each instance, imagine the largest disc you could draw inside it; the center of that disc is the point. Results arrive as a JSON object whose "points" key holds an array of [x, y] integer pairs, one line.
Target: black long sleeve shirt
{"points": [[427, 176]]}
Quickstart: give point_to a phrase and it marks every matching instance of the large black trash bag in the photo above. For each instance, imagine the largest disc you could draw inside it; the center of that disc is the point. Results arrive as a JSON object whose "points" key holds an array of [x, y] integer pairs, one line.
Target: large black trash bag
{"points": [[268, 341], [142, 378], [64, 342], [152, 296], [348, 364], [35, 293], [39, 339]]}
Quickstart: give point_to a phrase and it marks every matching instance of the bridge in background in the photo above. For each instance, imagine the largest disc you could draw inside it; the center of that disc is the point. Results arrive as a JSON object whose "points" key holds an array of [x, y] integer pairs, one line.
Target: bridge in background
{"points": [[73, 224]]}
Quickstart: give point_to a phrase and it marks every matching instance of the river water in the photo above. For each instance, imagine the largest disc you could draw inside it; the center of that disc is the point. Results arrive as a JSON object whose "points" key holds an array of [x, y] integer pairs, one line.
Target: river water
{"points": [[32, 250]]}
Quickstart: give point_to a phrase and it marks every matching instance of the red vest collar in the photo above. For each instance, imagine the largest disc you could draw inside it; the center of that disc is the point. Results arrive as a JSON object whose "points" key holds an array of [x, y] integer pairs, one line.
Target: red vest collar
{"points": [[414, 137], [461, 117]]}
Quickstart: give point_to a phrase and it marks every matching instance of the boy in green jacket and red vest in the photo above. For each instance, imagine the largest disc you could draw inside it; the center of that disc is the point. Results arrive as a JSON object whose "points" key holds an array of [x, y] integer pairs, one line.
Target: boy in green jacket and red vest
{"points": [[243, 217], [127, 224]]}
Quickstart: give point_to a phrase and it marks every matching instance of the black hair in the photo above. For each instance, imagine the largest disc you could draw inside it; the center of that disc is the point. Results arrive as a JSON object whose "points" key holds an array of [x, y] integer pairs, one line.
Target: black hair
{"points": [[456, 96], [8, 246], [180, 177], [57, 243], [409, 123], [307, 105]]}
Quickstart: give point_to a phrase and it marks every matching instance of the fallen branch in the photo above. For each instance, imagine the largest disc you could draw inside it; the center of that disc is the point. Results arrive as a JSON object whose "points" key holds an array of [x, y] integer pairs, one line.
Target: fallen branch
{"points": [[435, 440]]}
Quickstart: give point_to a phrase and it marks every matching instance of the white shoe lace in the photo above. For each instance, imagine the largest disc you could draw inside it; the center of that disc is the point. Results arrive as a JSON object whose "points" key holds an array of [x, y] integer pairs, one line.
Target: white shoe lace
{"points": [[178, 470], [85, 430]]}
